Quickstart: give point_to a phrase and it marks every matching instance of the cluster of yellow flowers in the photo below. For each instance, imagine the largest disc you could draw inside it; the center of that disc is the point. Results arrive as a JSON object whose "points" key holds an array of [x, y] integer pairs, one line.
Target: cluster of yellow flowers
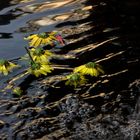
{"points": [[40, 57], [78, 76], [39, 61], [40, 65]]}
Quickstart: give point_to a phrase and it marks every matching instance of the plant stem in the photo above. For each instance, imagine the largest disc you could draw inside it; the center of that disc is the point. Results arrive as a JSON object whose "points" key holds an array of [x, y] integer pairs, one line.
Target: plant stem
{"points": [[27, 50]]}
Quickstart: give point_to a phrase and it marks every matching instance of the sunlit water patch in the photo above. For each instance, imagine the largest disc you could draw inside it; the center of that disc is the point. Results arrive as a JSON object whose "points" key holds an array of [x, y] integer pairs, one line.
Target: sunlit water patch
{"points": [[21, 18]]}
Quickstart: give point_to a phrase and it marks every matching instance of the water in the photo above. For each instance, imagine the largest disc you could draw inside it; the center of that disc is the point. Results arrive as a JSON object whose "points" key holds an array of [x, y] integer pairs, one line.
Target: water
{"points": [[17, 21], [105, 108]]}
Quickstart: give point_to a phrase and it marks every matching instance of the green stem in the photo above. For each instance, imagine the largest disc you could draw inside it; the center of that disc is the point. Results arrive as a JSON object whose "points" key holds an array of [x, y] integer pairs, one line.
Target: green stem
{"points": [[30, 55]]}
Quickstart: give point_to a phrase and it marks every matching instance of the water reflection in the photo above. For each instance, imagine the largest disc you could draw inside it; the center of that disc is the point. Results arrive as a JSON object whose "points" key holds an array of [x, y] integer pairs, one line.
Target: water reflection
{"points": [[7, 17], [97, 36], [4, 4], [19, 18], [5, 35], [49, 5]]}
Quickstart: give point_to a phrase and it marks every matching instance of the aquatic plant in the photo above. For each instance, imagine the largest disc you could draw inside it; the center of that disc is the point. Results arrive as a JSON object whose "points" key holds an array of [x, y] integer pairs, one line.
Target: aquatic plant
{"points": [[40, 55], [45, 38], [39, 62], [75, 79], [38, 69], [17, 91], [39, 59], [90, 68], [6, 66]]}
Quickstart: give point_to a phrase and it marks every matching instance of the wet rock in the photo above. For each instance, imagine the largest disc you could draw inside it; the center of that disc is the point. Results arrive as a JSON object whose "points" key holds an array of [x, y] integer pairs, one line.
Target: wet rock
{"points": [[2, 123], [15, 108], [28, 113], [25, 103], [35, 100], [74, 111], [3, 137], [37, 128], [22, 136]]}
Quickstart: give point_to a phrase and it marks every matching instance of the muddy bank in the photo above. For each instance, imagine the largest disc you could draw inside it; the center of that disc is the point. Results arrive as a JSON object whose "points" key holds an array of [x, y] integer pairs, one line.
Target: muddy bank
{"points": [[105, 108]]}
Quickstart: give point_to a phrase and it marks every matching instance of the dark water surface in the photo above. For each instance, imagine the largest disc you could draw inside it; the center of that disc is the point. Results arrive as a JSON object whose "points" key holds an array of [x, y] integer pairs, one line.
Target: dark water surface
{"points": [[17, 19], [108, 107]]}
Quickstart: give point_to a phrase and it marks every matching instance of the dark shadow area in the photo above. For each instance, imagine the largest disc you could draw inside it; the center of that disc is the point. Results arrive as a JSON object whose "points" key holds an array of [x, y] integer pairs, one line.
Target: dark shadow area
{"points": [[7, 18], [5, 35], [4, 4]]}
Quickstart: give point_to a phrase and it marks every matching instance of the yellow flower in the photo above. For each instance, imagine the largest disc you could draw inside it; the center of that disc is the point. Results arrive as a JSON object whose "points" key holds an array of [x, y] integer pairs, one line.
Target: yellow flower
{"points": [[41, 39], [90, 68], [18, 91], [38, 69], [40, 55], [75, 79], [6, 66]]}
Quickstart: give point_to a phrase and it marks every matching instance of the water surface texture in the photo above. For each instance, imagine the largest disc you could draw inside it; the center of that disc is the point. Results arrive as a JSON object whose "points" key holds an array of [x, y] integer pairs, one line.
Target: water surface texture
{"points": [[19, 18], [107, 107]]}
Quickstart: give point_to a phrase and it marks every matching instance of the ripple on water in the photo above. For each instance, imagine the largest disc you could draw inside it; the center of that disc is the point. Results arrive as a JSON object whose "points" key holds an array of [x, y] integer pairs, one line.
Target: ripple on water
{"points": [[106, 107], [21, 18]]}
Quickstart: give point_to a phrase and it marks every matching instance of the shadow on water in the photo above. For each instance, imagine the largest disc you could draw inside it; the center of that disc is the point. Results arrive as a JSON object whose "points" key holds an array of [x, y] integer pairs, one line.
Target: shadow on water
{"points": [[105, 108], [4, 4], [21, 18]]}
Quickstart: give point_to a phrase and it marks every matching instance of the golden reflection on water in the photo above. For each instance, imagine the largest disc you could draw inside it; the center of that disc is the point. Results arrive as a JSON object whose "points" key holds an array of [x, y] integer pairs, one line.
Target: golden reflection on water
{"points": [[40, 7], [20, 1], [62, 16], [53, 5], [44, 21], [35, 7]]}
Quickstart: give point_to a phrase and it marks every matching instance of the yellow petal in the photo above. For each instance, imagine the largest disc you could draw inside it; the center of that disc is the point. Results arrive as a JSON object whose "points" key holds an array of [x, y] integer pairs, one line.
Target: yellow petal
{"points": [[34, 58], [0, 68], [78, 69], [84, 71], [33, 42], [90, 71], [95, 72], [36, 73], [30, 37], [43, 72], [43, 41], [12, 65], [46, 68], [4, 70], [43, 58], [48, 53], [52, 37], [48, 41], [38, 42]]}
